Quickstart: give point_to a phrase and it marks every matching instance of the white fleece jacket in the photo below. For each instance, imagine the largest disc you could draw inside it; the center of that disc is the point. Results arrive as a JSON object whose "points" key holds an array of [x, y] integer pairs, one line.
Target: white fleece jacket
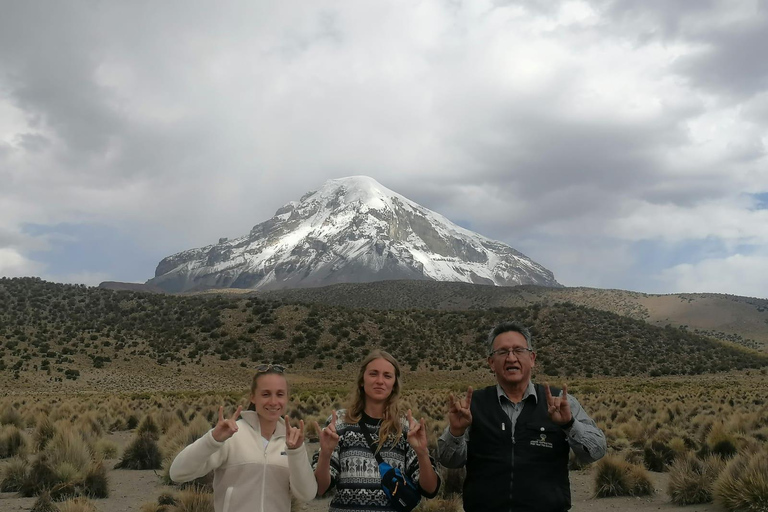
{"points": [[247, 477]]}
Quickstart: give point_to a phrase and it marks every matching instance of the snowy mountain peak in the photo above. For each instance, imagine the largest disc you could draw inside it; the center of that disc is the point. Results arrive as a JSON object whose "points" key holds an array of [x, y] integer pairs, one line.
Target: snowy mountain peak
{"points": [[351, 229]]}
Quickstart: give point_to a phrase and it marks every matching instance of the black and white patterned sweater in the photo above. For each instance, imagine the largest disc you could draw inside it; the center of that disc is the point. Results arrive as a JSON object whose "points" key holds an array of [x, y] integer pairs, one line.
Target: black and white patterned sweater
{"points": [[355, 472]]}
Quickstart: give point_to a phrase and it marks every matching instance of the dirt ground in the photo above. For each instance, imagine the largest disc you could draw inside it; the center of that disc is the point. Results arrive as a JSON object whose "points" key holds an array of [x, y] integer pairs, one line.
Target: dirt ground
{"points": [[129, 489]]}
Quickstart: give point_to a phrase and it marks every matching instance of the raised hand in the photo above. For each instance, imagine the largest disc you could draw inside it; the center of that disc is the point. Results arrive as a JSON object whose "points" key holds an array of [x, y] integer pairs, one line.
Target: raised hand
{"points": [[328, 436], [417, 434], [459, 413], [558, 408], [294, 437], [226, 427]]}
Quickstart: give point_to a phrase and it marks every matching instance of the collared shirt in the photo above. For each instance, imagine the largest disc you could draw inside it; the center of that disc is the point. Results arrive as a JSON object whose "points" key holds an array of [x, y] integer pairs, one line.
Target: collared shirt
{"points": [[584, 437]]}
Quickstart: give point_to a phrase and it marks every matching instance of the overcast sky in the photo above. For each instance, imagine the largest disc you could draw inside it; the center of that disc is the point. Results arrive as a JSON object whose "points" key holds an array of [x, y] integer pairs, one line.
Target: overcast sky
{"points": [[621, 144]]}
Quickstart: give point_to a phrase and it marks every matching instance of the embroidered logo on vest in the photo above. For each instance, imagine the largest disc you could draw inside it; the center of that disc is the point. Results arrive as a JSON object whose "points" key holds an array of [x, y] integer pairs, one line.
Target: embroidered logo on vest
{"points": [[542, 441]]}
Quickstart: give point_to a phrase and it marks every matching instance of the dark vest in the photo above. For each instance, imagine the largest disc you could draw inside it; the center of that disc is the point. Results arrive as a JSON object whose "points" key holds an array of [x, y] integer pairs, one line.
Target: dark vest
{"points": [[527, 473]]}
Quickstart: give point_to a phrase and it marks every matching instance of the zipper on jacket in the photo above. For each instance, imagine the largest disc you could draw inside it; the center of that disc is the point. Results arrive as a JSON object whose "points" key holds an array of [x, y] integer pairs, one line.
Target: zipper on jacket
{"points": [[264, 475], [227, 499]]}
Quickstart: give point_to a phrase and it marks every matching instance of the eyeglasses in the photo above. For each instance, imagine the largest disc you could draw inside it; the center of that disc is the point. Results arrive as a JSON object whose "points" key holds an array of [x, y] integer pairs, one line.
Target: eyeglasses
{"points": [[270, 367], [517, 351]]}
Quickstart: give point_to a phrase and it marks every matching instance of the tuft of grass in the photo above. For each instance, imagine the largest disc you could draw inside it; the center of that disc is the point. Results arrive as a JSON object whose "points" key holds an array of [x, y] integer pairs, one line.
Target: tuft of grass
{"points": [[67, 446], [96, 481], [14, 474], [40, 477], [44, 504], [452, 480], [691, 479], [149, 427], [657, 455], [13, 442], [193, 500], [79, 504], [11, 416], [142, 453], [451, 504], [106, 449], [743, 484], [44, 432], [616, 477]]}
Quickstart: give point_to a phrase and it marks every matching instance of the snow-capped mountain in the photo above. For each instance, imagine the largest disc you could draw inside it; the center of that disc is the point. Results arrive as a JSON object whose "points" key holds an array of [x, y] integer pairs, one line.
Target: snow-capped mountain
{"points": [[350, 230]]}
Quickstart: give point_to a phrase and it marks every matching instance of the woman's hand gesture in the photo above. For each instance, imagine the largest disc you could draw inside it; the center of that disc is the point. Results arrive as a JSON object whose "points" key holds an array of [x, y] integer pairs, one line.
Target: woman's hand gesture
{"points": [[294, 437], [329, 439], [226, 427], [417, 434]]}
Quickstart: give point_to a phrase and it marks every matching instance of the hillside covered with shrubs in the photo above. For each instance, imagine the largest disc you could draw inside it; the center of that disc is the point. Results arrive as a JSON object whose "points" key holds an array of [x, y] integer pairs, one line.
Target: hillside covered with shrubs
{"points": [[59, 329]]}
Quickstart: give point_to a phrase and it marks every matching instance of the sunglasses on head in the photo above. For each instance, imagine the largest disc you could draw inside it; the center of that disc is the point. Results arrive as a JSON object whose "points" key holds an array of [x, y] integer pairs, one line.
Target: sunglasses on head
{"points": [[270, 367]]}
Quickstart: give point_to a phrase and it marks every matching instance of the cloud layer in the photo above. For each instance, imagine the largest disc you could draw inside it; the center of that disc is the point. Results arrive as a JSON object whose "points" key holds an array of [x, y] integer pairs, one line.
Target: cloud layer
{"points": [[620, 144]]}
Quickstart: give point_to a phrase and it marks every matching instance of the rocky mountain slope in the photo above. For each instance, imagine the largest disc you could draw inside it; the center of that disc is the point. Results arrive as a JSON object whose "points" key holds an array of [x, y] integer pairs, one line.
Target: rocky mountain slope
{"points": [[350, 230]]}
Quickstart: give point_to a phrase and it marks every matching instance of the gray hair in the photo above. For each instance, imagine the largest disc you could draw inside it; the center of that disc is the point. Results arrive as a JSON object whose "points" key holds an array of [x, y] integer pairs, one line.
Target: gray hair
{"points": [[507, 327]]}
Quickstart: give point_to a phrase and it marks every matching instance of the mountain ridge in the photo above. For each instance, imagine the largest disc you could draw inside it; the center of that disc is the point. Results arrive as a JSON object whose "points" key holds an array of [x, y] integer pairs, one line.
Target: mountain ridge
{"points": [[350, 230]]}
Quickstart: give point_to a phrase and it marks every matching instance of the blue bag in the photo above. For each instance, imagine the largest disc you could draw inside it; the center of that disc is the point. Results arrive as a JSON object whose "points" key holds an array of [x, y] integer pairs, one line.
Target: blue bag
{"points": [[402, 492]]}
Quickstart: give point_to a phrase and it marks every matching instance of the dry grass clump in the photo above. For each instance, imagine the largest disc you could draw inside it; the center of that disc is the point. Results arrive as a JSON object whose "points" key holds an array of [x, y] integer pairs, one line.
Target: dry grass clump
{"points": [[65, 468], [452, 504], [141, 453], [720, 441], [106, 449], [616, 477], [13, 442], [691, 479], [11, 416], [743, 484], [186, 500], [44, 432], [13, 473], [44, 504], [79, 504]]}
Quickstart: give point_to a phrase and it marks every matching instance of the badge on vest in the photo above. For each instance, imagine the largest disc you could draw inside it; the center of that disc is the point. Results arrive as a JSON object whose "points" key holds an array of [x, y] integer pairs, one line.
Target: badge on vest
{"points": [[542, 442]]}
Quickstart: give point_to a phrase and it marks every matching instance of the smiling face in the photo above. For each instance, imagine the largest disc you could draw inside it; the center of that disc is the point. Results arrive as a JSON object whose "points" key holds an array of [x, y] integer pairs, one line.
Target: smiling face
{"points": [[270, 396], [510, 370], [378, 380]]}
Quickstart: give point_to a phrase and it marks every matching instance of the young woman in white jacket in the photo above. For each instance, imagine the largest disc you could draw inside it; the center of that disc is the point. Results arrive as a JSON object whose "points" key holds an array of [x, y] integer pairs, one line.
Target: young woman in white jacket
{"points": [[258, 460]]}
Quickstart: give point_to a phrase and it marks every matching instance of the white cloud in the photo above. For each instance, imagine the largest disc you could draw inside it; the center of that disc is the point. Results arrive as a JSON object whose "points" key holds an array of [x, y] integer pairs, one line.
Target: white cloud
{"points": [[737, 274], [531, 122], [14, 264]]}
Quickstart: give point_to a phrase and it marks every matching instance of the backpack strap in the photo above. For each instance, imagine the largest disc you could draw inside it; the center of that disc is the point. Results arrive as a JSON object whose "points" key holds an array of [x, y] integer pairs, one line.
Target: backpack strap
{"points": [[367, 434]]}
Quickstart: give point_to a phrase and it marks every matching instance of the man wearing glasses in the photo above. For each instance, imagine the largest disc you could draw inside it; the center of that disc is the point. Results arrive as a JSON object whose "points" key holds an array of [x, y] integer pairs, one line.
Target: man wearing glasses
{"points": [[515, 437]]}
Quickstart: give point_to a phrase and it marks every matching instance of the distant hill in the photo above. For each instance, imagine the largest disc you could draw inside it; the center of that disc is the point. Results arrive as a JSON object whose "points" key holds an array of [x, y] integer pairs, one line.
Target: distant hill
{"points": [[72, 335], [133, 287], [742, 320]]}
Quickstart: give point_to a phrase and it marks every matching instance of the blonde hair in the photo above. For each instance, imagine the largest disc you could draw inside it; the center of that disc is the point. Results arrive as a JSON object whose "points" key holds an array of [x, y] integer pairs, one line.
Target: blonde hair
{"points": [[391, 427]]}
